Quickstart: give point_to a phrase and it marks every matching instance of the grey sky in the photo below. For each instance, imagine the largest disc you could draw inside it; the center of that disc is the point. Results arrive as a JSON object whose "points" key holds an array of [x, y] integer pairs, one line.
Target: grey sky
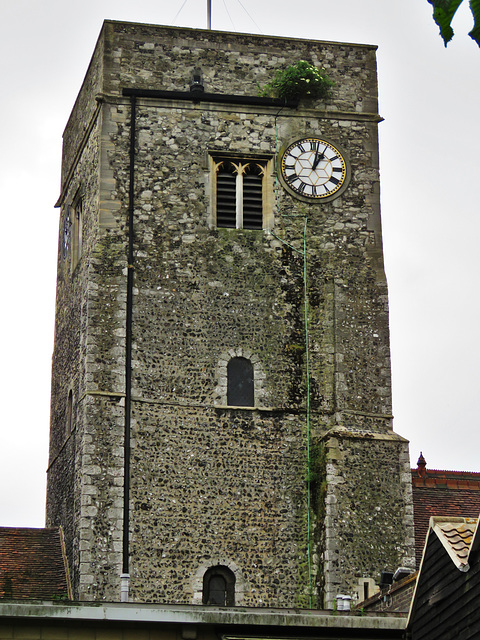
{"points": [[430, 174]]}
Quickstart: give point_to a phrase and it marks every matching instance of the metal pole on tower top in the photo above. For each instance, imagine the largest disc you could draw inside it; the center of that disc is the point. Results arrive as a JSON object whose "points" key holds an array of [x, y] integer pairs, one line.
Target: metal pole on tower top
{"points": [[209, 14]]}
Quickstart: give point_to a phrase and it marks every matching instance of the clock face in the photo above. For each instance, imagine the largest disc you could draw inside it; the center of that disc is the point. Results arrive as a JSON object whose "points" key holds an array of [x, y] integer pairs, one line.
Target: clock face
{"points": [[313, 168]]}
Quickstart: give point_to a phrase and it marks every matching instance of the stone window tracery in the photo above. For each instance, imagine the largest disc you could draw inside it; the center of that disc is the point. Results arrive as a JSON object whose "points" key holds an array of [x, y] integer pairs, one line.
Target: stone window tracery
{"points": [[240, 193]]}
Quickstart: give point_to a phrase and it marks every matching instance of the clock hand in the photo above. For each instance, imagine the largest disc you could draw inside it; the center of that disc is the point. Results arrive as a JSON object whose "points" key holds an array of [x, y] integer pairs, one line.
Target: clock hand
{"points": [[318, 157]]}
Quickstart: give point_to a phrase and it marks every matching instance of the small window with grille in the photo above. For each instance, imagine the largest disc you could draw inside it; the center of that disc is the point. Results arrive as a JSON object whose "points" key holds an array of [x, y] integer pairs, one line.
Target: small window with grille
{"points": [[239, 193], [219, 587]]}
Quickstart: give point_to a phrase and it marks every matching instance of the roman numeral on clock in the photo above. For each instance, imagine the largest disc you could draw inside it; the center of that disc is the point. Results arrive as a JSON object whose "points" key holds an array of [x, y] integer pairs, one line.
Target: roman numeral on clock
{"points": [[313, 168]]}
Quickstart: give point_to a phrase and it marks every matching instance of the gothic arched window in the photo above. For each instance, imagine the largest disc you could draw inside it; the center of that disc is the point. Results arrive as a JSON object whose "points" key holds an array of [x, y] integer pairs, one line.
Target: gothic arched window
{"points": [[240, 387], [219, 587], [239, 193]]}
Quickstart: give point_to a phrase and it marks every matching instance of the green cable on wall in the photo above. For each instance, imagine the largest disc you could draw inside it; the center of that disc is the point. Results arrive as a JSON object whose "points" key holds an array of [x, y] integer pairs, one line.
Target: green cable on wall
{"points": [[307, 359], [307, 364]]}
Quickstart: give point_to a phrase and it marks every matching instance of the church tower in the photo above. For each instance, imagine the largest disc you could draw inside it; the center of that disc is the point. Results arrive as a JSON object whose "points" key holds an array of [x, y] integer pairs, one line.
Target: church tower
{"points": [[221, 424]]}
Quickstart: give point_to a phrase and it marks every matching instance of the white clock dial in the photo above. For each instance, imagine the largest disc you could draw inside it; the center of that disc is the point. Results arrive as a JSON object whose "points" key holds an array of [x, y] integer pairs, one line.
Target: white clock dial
{"points": [[313, 168]]}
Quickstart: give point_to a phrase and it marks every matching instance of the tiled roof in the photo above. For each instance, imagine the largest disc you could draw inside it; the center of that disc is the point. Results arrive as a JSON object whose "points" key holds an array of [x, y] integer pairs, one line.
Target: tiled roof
{"points": [[441, 493], [33, 564], [456, 535]]}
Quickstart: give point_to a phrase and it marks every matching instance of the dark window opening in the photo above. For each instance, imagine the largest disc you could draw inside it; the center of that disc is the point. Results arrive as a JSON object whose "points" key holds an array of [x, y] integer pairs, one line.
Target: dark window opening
{"points": [[217, 590], [77, 232], [219, 587], [226, 199], [253, 199], [240, 387], [69, 416], [67, 232], [365, 590]]}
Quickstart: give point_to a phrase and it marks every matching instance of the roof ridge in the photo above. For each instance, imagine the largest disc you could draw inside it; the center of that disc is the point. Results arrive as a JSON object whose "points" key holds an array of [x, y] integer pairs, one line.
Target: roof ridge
{"points": [[452, 471]]}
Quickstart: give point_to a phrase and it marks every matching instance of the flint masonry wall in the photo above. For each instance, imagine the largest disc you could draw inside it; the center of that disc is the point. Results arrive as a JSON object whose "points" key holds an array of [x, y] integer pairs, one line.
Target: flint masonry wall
{"points": [[210, 484], [367, 507]]}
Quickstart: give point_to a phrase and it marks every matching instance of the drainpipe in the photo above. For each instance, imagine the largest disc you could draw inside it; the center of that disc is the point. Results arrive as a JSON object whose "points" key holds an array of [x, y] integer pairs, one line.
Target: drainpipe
{"points": [[125, 577]]}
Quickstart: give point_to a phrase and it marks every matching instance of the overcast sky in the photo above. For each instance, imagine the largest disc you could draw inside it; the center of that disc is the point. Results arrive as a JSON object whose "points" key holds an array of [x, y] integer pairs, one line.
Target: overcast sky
{"points": [[430, 175]]}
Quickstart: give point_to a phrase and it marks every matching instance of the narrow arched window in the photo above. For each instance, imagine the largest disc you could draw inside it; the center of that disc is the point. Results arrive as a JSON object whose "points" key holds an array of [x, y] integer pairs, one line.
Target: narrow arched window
{"points": [[69, 416], [219, 587], [240, 387], [77, 232]]}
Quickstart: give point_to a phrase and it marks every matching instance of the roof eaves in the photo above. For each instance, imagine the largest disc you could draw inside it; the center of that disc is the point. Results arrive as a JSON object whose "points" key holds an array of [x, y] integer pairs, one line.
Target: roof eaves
{"points": [[475, 544], [90, 612]]}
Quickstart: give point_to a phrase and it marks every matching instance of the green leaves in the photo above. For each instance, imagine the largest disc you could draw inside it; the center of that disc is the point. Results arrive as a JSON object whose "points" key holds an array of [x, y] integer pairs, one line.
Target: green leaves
{"points": [[299, 80], [443, 12], [475, 32]]}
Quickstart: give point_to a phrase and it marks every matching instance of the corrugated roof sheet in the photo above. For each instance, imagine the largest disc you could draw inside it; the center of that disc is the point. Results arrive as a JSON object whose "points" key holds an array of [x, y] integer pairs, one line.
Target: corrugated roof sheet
{"points": [[33, 564]]}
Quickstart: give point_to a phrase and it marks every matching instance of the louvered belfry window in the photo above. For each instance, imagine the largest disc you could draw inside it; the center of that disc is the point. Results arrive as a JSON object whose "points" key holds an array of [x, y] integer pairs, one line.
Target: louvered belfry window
{"points": [[239, 195]]}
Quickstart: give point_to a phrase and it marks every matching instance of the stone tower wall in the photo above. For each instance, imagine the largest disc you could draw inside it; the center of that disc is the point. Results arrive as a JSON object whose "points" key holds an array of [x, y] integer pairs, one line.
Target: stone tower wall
{"points": [[367, 506], [66, 473], [211, 484]]}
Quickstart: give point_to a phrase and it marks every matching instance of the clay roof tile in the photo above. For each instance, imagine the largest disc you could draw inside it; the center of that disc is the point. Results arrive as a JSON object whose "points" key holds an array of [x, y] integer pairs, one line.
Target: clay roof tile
{"points": [[442, 493], [33, 564]]}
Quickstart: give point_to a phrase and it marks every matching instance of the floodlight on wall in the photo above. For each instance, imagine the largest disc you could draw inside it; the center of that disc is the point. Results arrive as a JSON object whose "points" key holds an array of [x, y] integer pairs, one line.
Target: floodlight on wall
{"points": [[401, 573], [196, 84], [386, 579]]}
